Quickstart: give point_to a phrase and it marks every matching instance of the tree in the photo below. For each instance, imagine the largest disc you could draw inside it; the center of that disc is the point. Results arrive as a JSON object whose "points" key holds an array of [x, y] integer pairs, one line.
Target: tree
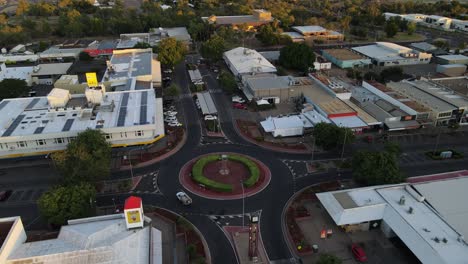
{"points": [[228, 82], [379, 167], [345, 21], [330, 136], [172, 90], [328, 259], [142, 45], [12, 88], [213, 48], [393, 147], [67, 202], [394, 73], [171, 51], [297, 56], [86, 159], [441, 44], [391, 28], [411, 28], [269, 35], [84, 56], [22, 8]]}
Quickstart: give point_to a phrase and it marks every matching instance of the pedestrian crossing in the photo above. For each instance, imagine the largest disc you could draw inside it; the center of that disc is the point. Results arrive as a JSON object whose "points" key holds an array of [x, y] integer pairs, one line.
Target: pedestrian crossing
{"points": [[24, 196]]}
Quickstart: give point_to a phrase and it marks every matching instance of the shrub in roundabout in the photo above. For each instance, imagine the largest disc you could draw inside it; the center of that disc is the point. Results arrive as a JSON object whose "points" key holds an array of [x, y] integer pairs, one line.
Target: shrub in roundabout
{"points": [[197, 172]]}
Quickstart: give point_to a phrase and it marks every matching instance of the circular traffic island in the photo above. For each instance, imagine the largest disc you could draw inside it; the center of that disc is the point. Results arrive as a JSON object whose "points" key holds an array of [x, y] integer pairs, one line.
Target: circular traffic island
{"points": [[224, 176]]}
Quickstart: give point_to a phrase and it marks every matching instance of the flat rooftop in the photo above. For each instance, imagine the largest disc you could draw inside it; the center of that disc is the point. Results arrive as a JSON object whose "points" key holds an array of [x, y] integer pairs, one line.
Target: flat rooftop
{"points": [[344, 54], [309, 29], [383, 51], [442, 92], [361, 113], [29, 116], [453, 57], [236, 20], [269, 82], [457, 84], [130, 63], [402, 99]]}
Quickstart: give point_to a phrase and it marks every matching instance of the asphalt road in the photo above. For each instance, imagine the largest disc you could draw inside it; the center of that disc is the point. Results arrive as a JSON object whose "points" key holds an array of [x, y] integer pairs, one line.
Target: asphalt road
{"points": [[270, 202]]}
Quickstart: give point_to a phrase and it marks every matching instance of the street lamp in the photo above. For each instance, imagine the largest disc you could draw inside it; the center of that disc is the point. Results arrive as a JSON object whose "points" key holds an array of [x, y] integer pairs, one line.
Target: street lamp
{"points": [[130, 160], [344, 141]]}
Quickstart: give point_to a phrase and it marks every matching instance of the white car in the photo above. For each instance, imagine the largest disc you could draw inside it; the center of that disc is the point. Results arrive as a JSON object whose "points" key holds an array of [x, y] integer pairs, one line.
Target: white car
{"points": [[174, 124], [210, 117], [237, 99], [184, 198], [170, 113], [170, 119], [168, 71]]}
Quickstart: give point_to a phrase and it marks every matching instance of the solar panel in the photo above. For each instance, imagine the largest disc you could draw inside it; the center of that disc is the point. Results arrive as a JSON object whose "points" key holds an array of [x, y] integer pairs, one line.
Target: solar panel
{"points": [[3, 104], [39, 130], [32, 103], [143, 108], [68, 125], [123, 110], [13, 126]]}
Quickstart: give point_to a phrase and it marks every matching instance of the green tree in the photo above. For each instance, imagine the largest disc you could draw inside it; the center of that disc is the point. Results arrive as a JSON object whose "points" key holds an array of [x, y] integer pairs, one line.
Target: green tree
{"points": [[328, 259], [171, 51], [379, 167], [269, 35], [86, 159], [142, 45], [393, 147], [394, 73], [22, 8], [441, 44], [67, 202], [172, 90], [228, 82], [12, 88], [411, 28], [330, 136], [297, 56], [213, 48], [345, 21], [391, 28]]}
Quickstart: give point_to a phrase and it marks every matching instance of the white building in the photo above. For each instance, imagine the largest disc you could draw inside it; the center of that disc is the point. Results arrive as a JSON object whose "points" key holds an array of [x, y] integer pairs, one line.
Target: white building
{"points": [[428, 216], [460, 24], [38, 74], [95, 240], [439, 21], [133, 63], [244, 61], [390, 54], [41, 125], [283, 126]]}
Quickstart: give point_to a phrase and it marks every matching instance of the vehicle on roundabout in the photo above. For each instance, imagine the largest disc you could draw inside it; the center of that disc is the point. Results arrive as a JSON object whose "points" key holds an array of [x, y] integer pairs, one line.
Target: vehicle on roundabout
{"points": [[184, 198], [210, 117]]}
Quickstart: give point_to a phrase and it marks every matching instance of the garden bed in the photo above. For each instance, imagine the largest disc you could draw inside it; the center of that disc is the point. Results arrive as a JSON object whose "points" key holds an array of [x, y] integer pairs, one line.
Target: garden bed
{"points": [[436, 155]]}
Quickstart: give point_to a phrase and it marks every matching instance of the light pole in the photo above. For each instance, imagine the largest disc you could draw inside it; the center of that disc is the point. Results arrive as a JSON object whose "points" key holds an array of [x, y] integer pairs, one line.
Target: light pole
{"points": [[113, 201], [344, 141], [130, 160], [243, 203]]}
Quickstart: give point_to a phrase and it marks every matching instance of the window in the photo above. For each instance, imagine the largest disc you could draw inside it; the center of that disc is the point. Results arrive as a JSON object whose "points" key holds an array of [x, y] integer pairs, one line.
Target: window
{"points": [[447, 114], [1, 146], [139, 133], [108, 136], [21, 144], [59, 141], [123, 134], [40, 142]]}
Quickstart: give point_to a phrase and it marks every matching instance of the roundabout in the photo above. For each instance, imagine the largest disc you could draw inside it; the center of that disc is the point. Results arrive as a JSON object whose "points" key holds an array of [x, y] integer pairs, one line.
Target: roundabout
{"points": [[224, 176]]}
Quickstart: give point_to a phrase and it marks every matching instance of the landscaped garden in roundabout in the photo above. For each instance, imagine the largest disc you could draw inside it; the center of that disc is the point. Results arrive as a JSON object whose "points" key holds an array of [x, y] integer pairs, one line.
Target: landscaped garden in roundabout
{"points": [[224, 176]]}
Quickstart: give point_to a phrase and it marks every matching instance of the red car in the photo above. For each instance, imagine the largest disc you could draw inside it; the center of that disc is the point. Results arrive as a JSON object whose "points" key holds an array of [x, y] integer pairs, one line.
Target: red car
{"points": [[239, 106], [358, 253]]}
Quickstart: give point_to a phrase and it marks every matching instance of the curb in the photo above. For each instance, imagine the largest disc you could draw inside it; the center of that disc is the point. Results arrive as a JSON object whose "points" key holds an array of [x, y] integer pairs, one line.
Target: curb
{"points": [[159, 158]]}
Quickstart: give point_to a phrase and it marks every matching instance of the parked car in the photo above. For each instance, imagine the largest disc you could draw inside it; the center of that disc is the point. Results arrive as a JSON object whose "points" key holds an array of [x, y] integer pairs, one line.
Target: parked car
{"points": [[167, 71], [170, 113], [358, 253], [237, 99], [4, 195], [169, 119], [174, 124], [239, 106], [167, 78], [210, 117], [184, 198]]}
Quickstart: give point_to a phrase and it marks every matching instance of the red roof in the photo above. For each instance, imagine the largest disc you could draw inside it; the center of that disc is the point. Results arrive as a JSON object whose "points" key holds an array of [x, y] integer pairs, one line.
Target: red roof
{"points": [[132, 202]]}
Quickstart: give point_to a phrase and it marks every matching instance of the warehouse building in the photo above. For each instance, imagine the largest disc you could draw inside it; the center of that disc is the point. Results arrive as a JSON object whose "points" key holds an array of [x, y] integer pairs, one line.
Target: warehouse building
{"points": [[315, 33], [345, 58], [426, 215], [390, 54], [273, 88], [452, 59], [243, 61], [41, 125], [128, 237], [153, 37], [452, 70], [259, 17]]}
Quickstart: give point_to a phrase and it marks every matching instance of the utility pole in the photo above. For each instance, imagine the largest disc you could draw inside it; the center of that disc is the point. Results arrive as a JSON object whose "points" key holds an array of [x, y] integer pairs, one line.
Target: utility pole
{"points": [[243, 204]]}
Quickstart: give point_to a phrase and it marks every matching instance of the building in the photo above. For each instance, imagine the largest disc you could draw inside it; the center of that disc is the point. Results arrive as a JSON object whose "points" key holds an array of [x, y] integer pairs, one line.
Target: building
{"points": [[345, 58], [452, 59], [316, 33], [102, 48], [207, 104], [14, 58], [438, 21], [460, 24], [41, 125], [321, 63], [426, 215], [258, 18], [35, 74], [424, 47], [60, 54], [283, 126], [452, 70], [243, 61], [118, 238], [273, 88], [16, 72], [446, 105], [134, 63], [434, 21], [153, 37], [390, 54]]}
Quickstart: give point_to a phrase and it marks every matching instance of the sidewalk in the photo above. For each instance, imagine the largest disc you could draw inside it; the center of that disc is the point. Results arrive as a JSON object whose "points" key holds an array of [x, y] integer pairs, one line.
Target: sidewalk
{"points": [[239, 237]]}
